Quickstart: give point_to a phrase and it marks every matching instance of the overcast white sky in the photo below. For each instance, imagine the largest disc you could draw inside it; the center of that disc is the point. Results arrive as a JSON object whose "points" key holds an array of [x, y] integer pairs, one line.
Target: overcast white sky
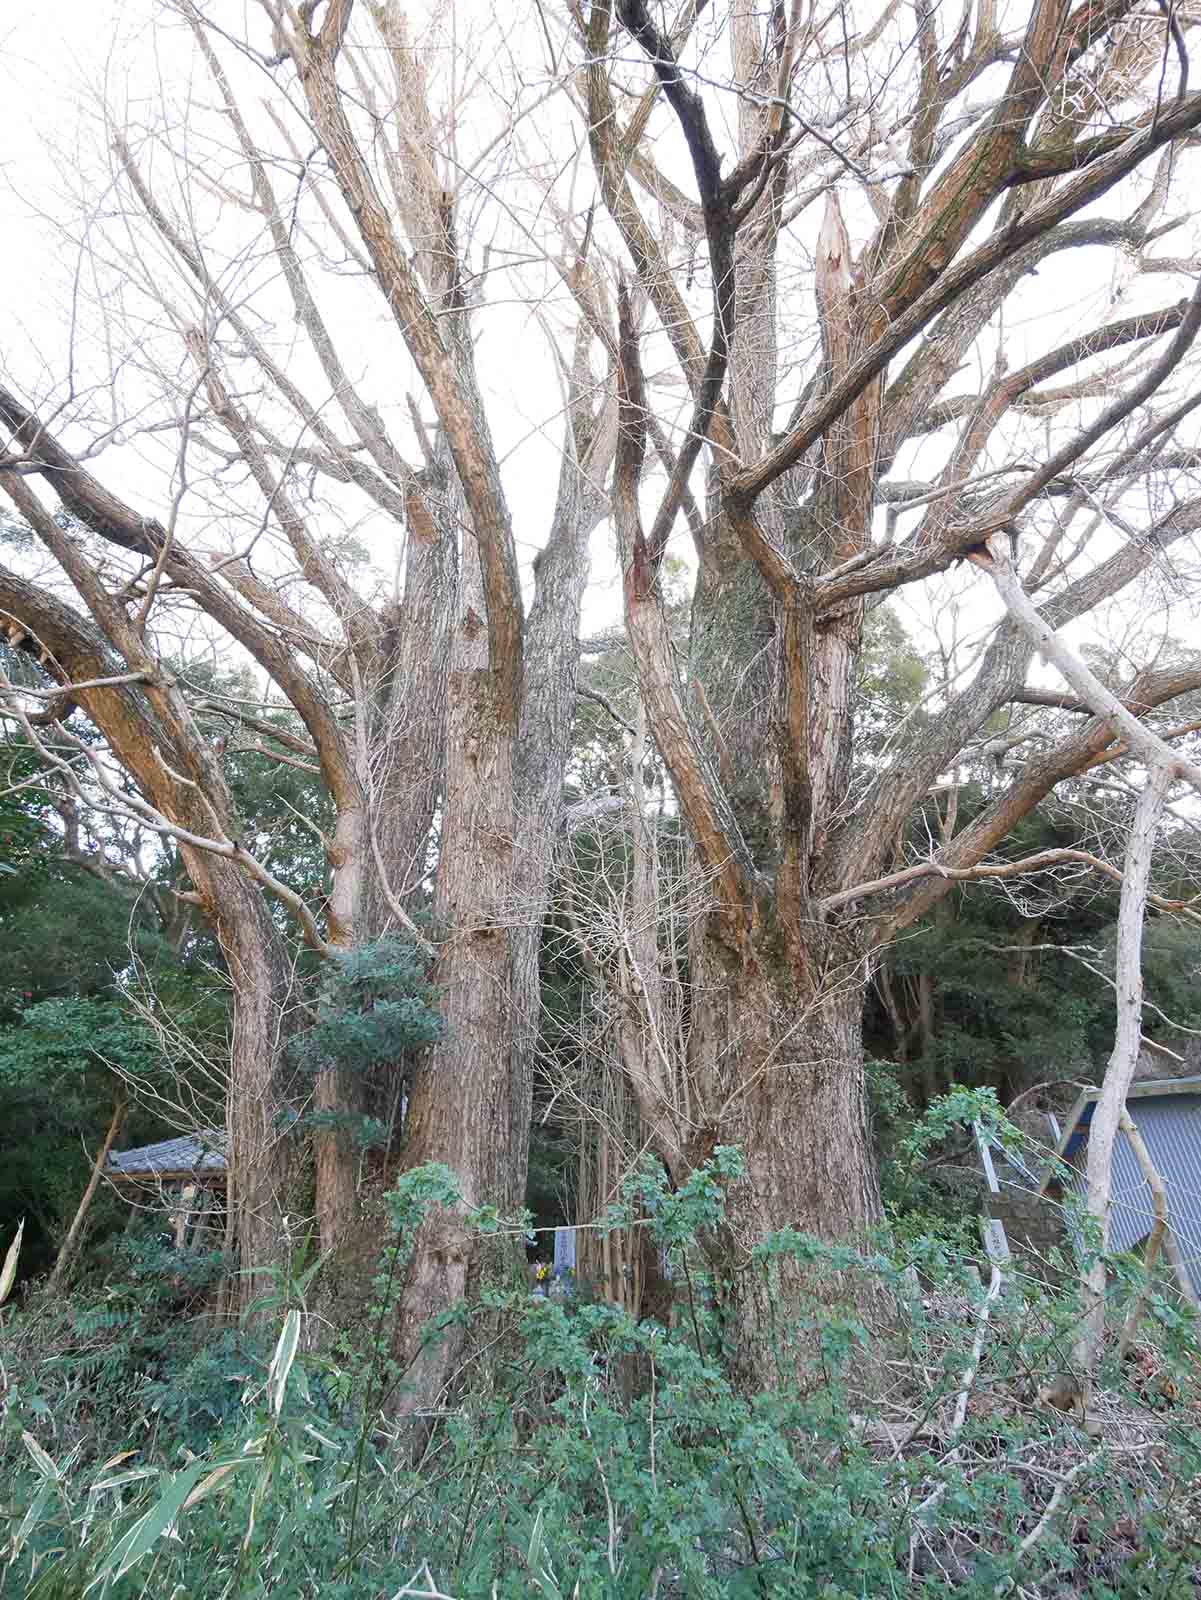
{"points": [[50, 53]]}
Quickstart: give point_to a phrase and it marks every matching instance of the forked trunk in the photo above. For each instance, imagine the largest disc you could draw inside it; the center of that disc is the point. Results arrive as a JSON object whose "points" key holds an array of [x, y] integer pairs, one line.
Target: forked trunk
{"points": [[505, 756]]}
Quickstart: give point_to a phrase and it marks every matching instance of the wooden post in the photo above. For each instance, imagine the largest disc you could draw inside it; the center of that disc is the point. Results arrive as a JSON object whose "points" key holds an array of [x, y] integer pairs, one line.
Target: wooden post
{"points": [[204, 1219], [187, 1197], [71, 1243]]}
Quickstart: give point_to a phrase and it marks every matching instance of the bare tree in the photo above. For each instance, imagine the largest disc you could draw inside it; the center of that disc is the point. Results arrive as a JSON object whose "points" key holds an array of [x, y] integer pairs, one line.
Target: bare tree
{"points": [[1164, 766], [827, 452], [438, 715], [960, 201]]}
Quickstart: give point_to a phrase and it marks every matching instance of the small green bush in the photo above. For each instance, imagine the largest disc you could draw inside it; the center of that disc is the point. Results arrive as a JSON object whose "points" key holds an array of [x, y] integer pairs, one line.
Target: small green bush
{"points": [[374, 1004]]}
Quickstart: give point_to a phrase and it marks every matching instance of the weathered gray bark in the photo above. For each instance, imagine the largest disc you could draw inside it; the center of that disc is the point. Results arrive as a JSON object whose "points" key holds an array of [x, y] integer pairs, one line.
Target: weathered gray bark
{"points": [[501, 812], [389, 774]]}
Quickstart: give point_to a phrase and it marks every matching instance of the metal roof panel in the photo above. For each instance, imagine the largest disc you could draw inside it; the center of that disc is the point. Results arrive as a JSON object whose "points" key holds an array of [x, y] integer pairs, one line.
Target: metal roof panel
{"points": [[1171, 1128]]}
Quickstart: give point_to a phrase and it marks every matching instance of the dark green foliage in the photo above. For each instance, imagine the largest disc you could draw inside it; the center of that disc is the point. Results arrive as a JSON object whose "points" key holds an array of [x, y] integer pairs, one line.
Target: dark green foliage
{"points": [[929, 1195], [283, 809], [56, 1041], [374, 1004], [892, 678], [64, 930], [71, 935], [56, 1096], [1172, 977], [74, 946], [1015, 977], [551, 1181], [121, 1356]]}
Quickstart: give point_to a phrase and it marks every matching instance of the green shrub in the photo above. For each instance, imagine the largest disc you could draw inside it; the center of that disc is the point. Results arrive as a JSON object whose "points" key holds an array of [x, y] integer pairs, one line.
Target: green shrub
{"points": [[374, 1004], [595, 1456]]}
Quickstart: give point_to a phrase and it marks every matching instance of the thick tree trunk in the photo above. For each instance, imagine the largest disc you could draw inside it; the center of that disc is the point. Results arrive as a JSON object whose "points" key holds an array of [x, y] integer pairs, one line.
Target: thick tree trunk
{"points": [[337, 1099], [783, 1080], [459, 1112], [260, 1163]]}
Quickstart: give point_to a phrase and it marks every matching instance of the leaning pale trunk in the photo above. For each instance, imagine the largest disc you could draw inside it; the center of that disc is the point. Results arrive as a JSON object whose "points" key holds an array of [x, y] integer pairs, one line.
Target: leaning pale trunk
{"points": [[70, 1245], [458, 1111], [1111, 1103]]}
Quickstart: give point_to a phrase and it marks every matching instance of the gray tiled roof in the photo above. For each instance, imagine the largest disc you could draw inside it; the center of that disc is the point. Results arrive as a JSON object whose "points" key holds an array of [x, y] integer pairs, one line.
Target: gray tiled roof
{"points": [[202, 1151]]}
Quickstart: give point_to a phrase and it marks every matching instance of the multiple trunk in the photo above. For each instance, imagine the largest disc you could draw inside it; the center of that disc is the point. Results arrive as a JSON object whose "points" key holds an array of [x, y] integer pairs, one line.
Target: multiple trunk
{"points": [[472, 1096], [447, 780]]}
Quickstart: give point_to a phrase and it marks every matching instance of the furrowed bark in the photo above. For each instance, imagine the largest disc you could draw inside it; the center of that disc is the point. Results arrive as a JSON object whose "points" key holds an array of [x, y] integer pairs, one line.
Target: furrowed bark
{"points": [[459, 1107]]}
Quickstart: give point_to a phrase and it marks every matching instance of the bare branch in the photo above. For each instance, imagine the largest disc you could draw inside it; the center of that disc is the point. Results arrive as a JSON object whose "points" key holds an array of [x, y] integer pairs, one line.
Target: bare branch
{"points": [[1103, 702], [1041, 861]]}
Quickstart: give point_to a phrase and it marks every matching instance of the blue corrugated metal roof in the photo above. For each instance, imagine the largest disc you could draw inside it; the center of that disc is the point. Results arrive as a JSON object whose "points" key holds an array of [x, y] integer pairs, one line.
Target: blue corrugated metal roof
{"points": [[202, 1151], [1171, 1128]]}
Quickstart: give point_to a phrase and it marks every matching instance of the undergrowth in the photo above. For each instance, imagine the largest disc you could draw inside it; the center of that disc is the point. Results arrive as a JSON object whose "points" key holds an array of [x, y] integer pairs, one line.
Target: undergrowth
{"points": [[144, 1453]]}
